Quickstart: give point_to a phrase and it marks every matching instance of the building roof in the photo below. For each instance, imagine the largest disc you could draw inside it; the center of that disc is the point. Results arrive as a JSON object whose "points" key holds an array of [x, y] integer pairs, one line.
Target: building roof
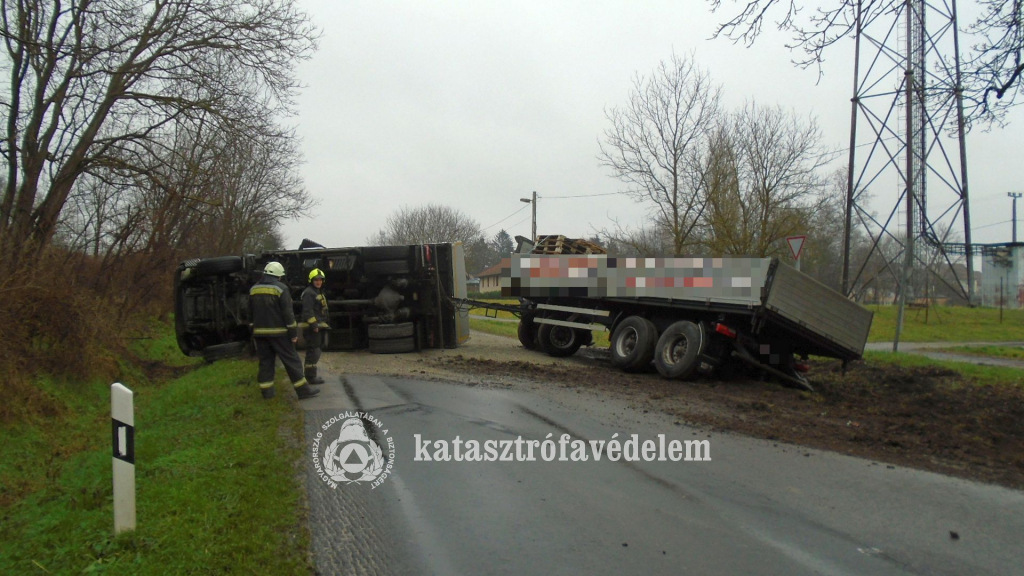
{"points": [[496, 269]]}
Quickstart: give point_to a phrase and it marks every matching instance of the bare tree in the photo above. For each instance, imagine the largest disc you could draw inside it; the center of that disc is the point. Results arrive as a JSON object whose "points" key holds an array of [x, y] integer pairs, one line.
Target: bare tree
{"points": [[651, 239], [993, 66], [762, 175], [657, 142], [95, 82], [427, 224]]}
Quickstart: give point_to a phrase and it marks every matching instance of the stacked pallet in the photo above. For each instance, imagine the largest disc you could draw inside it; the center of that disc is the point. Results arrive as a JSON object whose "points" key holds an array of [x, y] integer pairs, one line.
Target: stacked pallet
{"points": [[557, 244]]}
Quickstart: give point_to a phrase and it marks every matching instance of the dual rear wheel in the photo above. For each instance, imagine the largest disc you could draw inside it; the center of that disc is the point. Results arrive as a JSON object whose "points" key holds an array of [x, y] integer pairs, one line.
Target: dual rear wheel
{"points": [[676, 352]]}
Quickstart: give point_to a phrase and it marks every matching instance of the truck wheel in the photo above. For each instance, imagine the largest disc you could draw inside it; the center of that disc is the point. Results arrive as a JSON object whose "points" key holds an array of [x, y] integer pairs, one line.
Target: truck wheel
{"points": [[678, 351], [632, 343], [227, 350], [559, 341], [527, 333], [214, 266], [386, 331], [393, 346]]}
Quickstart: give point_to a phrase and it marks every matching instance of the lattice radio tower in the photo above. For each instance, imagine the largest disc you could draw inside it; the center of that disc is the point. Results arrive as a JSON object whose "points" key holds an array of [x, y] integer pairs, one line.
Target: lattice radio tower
{"points": [[907, 98]]}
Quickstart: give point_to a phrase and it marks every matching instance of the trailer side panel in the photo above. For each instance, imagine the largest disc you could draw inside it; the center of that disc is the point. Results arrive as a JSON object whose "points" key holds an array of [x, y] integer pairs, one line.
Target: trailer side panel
{"points": [[808, 303]]}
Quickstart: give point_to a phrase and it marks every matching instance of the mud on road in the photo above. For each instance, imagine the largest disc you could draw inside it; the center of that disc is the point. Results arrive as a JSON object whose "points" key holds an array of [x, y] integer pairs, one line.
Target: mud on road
{"points": [[928, 418]]}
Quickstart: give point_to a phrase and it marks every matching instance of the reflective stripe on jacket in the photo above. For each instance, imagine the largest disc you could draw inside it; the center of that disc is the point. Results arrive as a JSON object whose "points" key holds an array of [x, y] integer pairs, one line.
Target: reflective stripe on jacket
{"points": [[270, 307], [314, 307]]}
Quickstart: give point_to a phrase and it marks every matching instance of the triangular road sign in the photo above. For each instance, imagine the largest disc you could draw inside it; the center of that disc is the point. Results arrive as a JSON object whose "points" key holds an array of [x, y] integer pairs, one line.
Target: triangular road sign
{"points": [[796, 245]]}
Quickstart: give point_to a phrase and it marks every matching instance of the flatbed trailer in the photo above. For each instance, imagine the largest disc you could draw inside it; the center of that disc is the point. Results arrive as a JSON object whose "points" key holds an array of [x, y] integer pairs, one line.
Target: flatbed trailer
{"points": [[685, 313]]}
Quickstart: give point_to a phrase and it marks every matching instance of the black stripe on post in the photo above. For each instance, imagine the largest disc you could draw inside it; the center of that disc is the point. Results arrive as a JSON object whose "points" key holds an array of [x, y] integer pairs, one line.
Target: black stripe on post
{"points": [[129, 441]]}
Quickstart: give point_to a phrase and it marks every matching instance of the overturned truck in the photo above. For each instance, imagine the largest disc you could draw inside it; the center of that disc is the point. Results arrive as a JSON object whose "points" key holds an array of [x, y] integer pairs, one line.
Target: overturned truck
{"points": [[386, 298], [683, 314]]}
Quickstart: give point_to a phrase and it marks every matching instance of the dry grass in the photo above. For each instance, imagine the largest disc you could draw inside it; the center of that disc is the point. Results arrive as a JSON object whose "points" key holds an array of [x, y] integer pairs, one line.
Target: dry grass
{"points": [[56, 324]]}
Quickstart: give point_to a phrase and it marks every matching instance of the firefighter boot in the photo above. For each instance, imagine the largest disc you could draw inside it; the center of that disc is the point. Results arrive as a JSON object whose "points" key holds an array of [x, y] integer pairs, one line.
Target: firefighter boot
{"points": [[268, 391], [311, 376], [306, 391]]}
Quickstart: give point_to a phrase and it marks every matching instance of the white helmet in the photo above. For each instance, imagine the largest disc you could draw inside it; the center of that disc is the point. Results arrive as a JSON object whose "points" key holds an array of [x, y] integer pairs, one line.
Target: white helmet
{"points": [[274, 269]]}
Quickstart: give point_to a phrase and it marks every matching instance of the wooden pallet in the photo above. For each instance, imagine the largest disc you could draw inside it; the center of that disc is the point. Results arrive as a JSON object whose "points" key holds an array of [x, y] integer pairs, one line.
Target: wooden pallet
{"points": [[557, 244]]}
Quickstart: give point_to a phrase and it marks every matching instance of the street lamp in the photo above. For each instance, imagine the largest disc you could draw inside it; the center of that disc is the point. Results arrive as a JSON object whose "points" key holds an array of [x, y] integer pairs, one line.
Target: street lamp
{"points": [[533, 201]]}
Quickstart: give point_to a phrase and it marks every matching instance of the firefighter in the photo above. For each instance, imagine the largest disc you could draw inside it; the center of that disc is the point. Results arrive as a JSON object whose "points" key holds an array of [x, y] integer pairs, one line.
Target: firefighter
{"points": [[314, 311], [275, 332]]}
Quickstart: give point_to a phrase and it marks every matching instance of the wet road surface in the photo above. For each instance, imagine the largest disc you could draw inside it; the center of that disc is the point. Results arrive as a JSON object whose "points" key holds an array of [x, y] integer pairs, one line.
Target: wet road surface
{"points": [[756, 507]]}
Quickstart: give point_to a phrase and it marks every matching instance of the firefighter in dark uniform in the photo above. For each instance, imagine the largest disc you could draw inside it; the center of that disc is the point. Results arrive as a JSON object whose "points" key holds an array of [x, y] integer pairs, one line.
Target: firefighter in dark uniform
{"points": [[314, 311], [275, 332]]}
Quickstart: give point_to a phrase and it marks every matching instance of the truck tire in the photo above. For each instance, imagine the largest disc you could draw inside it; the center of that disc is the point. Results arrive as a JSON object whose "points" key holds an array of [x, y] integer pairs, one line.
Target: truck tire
{"points": [[378, 253], [387, 268], [215, 266], [677, 354], [390, 331], [393, 345], [219, 351], [527, 333], [633, 342], [559, 341]]}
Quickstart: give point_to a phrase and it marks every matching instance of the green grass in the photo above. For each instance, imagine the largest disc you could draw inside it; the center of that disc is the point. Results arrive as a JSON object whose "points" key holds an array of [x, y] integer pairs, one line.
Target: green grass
{"points": [[215, 478], [948, 324], [1008, 352], [988, 375]]}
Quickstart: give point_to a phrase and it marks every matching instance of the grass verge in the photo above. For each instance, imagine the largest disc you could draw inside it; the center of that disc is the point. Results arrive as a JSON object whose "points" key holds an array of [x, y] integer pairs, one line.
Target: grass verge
{"points": [[987, 375], [1008, 352], [217, 488], [947, 324]]}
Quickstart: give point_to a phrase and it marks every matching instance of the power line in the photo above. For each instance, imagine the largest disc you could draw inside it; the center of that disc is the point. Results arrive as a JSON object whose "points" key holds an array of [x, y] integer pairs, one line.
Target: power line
{"points": [[991, 225], [579, 196], [505, 218], [520, 222]]}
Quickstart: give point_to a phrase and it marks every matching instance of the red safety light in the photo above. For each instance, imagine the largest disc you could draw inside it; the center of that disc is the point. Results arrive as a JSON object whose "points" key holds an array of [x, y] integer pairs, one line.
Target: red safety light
{"points": [[724, 330]]}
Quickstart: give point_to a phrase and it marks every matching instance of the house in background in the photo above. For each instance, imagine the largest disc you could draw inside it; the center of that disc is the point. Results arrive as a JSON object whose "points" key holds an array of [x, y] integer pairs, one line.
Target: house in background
{"points": [[472, 283], [490, 278]]}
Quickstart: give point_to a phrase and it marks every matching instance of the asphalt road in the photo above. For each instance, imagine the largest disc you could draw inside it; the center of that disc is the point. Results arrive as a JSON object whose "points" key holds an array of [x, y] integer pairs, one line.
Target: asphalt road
{"points": [[756, 507]]}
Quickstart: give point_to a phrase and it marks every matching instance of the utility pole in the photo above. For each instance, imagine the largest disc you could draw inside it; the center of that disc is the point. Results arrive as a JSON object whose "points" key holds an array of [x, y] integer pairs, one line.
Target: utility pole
{"points": [[1015, 195], [533, 238]]}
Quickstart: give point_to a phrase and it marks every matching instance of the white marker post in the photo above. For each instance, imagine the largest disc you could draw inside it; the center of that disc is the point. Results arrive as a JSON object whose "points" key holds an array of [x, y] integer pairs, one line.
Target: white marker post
{"points": [[122, 415], [796, 247]]}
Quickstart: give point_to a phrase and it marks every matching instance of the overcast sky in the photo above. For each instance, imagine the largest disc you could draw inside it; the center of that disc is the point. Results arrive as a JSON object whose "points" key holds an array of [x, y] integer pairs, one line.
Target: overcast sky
{"points": [[475, 104]]}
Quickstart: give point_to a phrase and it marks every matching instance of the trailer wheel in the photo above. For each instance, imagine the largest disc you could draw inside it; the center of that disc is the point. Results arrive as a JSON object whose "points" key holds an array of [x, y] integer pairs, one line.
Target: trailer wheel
{"points": [[633, 342], [527, 333], [678, 351], [559, 341]]}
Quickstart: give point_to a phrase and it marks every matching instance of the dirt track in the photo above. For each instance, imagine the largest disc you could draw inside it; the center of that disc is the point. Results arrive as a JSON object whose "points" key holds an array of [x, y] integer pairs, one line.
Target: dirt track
{"points": [[926, 418]]}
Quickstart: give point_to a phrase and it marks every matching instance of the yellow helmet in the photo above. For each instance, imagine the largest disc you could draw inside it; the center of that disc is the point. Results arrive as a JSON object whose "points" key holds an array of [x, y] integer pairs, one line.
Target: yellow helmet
{"points": [[315, 274]]}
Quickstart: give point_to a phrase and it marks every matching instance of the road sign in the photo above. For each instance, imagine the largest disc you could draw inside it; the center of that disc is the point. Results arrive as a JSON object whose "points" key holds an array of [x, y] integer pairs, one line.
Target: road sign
{"points": [[796, 245]]}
